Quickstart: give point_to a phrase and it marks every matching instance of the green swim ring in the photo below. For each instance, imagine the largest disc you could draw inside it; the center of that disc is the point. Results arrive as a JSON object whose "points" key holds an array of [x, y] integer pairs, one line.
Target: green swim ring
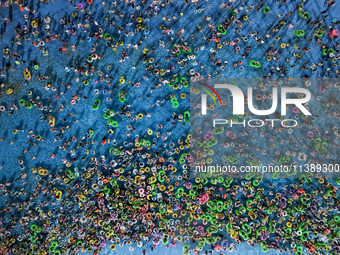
{"points": [[186, 116], [22, 102], [29, 105], [266, 10], [300, 33], [96, 104], [122, 96]]}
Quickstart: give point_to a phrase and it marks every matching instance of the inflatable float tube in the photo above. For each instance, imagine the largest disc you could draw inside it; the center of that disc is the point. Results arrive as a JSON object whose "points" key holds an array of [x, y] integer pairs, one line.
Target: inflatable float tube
{"points": [[186, 116], [96, 104]]}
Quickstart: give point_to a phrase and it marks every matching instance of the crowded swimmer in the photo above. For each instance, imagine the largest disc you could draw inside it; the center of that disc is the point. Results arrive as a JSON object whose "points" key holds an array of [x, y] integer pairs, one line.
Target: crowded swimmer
{"points": [[97, 101]]}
